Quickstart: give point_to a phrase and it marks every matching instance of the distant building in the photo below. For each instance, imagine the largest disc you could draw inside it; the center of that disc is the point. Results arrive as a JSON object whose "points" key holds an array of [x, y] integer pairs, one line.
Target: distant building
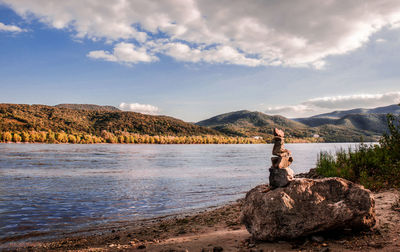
{"points": [[257, 137], [316, 135]]}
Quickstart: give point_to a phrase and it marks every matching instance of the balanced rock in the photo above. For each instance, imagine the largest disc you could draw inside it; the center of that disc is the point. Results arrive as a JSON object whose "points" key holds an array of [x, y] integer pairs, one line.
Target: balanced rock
{"points": [[281, 162], [307, 206], [279, 146], [280, 177]]}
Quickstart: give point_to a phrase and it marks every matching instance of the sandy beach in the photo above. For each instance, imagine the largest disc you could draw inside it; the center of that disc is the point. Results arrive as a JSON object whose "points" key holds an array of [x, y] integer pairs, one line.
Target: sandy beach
{"points": [[219, 229]]}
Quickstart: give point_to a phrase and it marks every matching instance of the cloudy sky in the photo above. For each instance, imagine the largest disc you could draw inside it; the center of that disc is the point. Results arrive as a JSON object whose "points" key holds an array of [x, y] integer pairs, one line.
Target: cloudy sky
{"points": [[193, 59]]}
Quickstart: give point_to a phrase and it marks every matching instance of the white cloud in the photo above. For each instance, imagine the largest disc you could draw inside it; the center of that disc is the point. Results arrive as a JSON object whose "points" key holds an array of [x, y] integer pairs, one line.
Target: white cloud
{"points": [[140, 108], [125, 53], [217, 54], [10, 28], [329, 103], [253, 33], [380, 40]]}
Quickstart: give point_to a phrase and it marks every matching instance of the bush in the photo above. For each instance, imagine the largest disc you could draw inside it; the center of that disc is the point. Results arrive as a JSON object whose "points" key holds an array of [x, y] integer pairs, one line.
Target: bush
{"points": [[374, 166]]}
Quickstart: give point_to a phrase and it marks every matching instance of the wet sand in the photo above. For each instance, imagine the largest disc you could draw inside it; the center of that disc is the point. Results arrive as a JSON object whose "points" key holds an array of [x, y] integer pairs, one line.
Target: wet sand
{"points": [[220, 230]]}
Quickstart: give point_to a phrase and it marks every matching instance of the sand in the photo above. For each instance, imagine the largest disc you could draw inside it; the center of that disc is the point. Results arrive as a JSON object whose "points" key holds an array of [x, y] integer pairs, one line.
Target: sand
{"points": [[219, 230]]}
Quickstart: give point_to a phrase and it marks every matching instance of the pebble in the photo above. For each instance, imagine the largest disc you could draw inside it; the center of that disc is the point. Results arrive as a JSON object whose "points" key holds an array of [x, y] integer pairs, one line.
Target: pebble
{"points": [[375, 245], [317, 238], [218, 249], [251, 245]]}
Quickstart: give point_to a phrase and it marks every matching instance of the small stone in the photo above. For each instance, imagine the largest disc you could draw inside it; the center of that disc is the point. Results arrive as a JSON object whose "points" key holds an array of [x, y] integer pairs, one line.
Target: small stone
{"points": [[375, 245], [251, 245], [218, 249], [317, 238], [278, 132], [280, 177]]}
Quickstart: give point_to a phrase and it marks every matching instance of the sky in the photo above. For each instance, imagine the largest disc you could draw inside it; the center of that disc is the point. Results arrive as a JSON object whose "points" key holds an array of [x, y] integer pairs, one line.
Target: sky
{"points": [[194, 59]]}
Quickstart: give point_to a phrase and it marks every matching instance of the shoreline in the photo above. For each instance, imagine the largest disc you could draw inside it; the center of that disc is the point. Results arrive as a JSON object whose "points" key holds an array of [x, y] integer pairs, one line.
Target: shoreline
{"points": [[44, 236], [184, 143], [218, 227]]}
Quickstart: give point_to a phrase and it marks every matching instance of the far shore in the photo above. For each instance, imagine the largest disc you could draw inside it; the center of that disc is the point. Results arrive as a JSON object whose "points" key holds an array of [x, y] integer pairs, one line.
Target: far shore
{"points": [[220, 230], [185, 143]]}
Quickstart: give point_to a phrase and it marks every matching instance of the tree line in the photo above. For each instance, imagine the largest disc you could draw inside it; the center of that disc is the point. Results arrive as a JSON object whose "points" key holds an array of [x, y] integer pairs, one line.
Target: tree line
{"points": [[118, 137]]}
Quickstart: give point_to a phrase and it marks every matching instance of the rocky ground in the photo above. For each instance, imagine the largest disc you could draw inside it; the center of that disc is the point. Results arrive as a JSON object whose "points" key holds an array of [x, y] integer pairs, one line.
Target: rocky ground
{"points": [[220, 230]]}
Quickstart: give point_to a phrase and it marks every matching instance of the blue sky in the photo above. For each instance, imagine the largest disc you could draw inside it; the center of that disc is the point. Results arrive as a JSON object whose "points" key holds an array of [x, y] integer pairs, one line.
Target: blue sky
{"points": [[194, 61]]}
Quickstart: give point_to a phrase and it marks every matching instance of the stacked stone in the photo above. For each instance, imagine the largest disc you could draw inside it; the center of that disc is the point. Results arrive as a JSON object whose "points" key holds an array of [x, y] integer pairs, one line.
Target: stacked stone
{"points": [[280, 172]]}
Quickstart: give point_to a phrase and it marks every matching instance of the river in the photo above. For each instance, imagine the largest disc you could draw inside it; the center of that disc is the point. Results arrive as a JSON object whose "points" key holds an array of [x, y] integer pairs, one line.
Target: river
{"points": [[50, 189]]}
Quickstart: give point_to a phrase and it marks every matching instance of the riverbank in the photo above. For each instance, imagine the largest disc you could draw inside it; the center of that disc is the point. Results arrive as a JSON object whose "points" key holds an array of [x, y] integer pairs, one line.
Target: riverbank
{"points": [[220, 230]]}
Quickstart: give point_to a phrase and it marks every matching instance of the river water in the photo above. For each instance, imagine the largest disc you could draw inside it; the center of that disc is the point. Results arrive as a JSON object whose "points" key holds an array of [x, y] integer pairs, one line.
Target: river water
{"points": [[50, 189]]}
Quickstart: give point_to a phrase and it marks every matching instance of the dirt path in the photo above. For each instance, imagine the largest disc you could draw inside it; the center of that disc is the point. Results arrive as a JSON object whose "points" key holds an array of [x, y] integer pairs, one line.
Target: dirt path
{"points": [[220, 230]]}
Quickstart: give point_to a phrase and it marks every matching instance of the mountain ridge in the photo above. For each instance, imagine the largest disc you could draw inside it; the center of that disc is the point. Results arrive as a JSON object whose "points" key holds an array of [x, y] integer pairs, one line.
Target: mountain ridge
{"points": [[394, 109]]}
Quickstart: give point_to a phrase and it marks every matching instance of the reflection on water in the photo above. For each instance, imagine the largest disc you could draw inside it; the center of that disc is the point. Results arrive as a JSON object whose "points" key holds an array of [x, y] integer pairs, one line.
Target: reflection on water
{"points": [[69, 187]]}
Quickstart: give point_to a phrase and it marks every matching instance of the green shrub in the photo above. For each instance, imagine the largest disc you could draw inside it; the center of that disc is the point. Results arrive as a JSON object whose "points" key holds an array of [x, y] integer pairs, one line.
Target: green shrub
{"points": [[374, 166]]}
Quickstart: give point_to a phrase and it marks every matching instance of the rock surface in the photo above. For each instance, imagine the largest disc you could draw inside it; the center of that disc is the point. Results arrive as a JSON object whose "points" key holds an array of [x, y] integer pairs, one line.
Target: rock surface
{"points": [[305, 207], [280, 177]]}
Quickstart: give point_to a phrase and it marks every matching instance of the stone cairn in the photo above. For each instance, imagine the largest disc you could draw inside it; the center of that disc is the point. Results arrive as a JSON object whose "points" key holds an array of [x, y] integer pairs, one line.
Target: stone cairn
{"points": [[280, 172], [291, 208]]}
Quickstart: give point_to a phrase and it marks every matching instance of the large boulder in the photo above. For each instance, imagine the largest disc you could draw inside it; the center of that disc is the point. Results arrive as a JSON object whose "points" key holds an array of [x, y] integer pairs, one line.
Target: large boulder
{"points": [[307, 206]]}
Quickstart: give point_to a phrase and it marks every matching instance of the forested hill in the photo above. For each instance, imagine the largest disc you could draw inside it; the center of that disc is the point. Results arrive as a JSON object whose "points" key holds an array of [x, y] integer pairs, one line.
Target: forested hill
{"points": [[252, 123], [92, 120], [349, 129]]}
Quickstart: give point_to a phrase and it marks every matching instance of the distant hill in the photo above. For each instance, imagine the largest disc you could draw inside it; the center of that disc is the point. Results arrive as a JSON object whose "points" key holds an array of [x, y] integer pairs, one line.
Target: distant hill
{"points": [[346, 129], [248, 123], [69, 118], [393, 109], [370, 122], [88, 107]]}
